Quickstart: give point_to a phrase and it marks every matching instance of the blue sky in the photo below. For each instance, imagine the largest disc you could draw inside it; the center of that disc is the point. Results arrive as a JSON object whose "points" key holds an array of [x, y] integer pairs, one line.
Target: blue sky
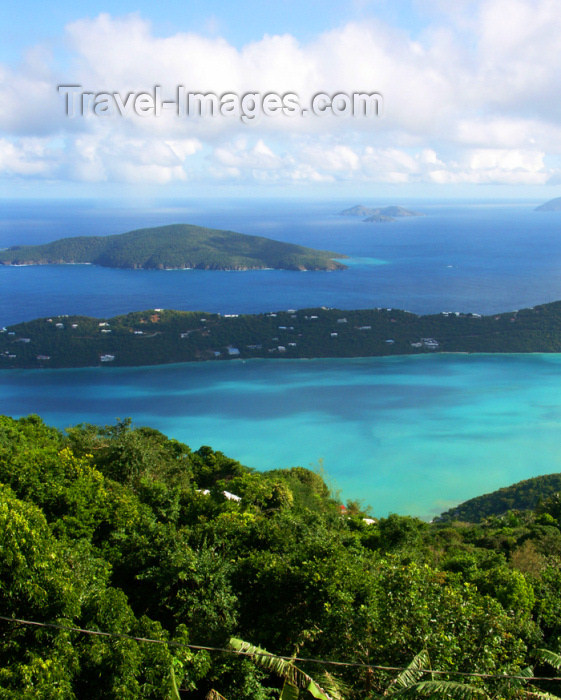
{"points": [[467, 93], [33, 22]]}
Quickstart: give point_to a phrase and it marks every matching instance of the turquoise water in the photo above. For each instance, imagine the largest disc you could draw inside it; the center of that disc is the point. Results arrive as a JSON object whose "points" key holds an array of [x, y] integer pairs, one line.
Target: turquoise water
{"points": [[412, 435], [409, 435]]}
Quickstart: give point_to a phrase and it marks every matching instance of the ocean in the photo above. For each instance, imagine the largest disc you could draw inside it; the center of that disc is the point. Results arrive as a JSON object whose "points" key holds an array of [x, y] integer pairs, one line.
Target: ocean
{"points": [[482, 258], [411, 435]]}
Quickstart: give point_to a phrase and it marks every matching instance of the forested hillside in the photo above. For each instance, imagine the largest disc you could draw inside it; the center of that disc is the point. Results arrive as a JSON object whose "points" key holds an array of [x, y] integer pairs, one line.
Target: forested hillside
{"points": [[524, 495], [161, 336], [124, 531], [175, 246]]}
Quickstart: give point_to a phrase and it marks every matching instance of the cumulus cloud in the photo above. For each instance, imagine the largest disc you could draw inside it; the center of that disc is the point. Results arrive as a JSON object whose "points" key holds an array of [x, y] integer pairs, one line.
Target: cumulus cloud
{"points": [[470, 100], [28, 157]]}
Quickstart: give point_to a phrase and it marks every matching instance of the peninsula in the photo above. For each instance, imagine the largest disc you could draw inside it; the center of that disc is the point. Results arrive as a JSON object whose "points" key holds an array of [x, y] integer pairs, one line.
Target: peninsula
{"points": [[552, 205], [163, 336], [379, 215], [523, 496], [175, 246]]}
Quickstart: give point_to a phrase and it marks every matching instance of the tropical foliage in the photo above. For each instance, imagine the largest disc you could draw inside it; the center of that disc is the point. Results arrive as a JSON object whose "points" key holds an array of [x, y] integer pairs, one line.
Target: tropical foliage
{"points": [[122, 530], [524, 495]]}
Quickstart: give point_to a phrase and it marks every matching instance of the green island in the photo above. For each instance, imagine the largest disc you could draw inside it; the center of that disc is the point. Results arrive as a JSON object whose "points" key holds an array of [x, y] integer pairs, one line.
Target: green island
{"points": [[378, 215], [135, 567], [177, 246], [161, 336]]}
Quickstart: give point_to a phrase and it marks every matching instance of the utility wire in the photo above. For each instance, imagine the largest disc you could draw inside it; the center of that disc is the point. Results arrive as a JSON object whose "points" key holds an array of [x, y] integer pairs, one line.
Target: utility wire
{"points": [[323, 662]]}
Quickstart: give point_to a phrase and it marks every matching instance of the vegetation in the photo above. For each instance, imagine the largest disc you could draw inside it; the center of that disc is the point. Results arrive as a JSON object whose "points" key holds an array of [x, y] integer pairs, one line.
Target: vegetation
{"points": [[128, 532], [175, 246], [525, 495], [159, 336]]}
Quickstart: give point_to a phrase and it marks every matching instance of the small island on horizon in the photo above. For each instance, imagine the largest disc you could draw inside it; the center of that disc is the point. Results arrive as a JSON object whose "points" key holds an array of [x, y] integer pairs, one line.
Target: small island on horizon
{"points": [[378, 215], [176, 246]]}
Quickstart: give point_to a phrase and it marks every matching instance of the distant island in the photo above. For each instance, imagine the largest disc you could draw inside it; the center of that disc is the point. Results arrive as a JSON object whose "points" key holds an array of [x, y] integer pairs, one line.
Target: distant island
{"points": [[161, 336], [379, 215], [359, 210], [176, 246], [552, 205]]}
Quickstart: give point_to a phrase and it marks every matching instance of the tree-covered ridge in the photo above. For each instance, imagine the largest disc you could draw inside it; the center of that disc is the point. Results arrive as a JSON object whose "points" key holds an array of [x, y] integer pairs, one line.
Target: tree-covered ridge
{"points": [[163, 336], [175, 246], [524, 495], [126, 531]]}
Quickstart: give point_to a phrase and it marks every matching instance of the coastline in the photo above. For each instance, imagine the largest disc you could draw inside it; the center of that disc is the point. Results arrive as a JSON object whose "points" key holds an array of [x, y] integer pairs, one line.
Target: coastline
{"points": [[357, 359], [374, 422], [165, 336]]}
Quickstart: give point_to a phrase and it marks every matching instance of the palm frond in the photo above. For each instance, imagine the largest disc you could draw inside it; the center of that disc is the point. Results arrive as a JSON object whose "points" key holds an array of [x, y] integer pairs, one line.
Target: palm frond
{"points": [[442, 689], [549, 657], [282, 668], [174, 689], [334, 687], [214, 695], [289, 692], [412, 674], [530, 692]]}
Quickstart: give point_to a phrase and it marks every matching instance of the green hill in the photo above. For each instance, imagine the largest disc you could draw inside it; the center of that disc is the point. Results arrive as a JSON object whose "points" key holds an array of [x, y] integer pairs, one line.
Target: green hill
{"points": [[175, 246], [132, 563], [524, 495], [162, 336]]}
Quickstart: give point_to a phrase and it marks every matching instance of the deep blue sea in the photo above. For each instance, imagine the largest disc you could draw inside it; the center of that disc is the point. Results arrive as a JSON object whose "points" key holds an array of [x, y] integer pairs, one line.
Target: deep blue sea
{"points": [[482, 258], [409, 435]]}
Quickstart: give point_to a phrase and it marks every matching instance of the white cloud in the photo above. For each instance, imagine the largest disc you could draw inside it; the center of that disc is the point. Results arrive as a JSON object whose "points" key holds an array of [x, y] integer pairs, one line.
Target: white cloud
{"points": [[504, 166], [336, 159], [470, 100], [28, 157], [238, 155]]}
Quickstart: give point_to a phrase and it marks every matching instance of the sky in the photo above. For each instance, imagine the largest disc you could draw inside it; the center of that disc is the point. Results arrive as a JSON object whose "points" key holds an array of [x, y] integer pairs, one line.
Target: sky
{"points": [[467, 96]]}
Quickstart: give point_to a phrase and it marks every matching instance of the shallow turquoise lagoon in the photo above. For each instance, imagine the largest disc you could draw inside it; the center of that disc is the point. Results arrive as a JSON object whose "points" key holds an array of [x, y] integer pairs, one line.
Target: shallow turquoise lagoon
{"points": [[412, 435]]}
